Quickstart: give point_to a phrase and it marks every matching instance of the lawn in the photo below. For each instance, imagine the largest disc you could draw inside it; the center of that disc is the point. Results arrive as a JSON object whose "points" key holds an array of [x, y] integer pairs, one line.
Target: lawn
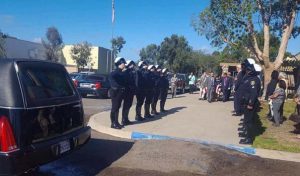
{"points": [[276, 138]]}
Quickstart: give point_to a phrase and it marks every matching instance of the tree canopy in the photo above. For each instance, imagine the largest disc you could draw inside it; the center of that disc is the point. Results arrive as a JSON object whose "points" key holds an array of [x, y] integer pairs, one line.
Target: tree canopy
{"points": [[227, 22], [176, 54], [81, 53], [117, 45], [150, 54], [53, 44]]}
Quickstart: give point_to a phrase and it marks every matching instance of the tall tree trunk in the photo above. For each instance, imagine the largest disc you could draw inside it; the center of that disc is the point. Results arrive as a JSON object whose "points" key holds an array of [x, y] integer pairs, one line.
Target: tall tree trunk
{"points": [[267, 71]]}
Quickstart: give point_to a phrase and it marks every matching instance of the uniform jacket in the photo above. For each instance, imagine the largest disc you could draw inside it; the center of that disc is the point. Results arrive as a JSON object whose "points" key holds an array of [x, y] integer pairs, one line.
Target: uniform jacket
{"points": [[140, 79], [130, 79], [164, 82], [239, 80], [249, 89], [117, 79]]}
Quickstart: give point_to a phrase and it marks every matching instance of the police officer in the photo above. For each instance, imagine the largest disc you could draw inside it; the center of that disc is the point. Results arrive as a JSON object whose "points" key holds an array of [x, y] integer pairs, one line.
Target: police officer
{"points": [[164, 87], [129, 91], [249, 90], [141, 87], [237, 94], [118, 84], [156, 91], [150, 84]]}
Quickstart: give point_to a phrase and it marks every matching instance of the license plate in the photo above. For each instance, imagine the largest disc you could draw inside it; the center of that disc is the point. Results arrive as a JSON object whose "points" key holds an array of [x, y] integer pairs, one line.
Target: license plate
{"points": [[85, 85], [64, 146]]}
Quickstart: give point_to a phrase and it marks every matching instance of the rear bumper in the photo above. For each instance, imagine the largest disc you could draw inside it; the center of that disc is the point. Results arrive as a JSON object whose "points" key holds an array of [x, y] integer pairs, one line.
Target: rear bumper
{"points": [[20, 161], [97, 92]]}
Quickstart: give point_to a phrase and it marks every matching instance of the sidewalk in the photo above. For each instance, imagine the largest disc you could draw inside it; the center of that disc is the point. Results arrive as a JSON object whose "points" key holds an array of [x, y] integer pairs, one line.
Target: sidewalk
{"points": [[188, 118]]}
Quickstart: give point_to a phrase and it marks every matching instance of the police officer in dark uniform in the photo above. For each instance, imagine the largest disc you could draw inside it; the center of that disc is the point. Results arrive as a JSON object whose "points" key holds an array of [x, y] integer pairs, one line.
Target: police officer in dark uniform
{"points": [[237, 95], [150, 84], [118, 84], [156, 93], [164, 87], [249, 90], [129, 91], [140, 80]]}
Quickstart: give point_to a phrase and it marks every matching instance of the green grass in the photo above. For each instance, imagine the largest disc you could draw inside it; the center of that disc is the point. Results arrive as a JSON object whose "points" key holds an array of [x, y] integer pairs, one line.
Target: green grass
{"points": [[280, 138]]}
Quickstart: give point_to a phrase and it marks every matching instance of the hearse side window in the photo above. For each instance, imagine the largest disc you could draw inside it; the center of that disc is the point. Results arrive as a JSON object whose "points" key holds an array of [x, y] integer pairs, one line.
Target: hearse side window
{"points": [[44, 82]]}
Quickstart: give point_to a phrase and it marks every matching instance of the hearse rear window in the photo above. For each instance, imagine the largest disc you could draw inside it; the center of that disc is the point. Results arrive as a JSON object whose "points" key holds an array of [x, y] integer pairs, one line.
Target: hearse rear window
{"points": [[44, 81]]}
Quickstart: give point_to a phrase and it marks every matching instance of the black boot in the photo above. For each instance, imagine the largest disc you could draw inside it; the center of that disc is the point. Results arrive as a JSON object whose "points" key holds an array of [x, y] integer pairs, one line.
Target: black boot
{"points": [[117, 119], [147, 111], [125, 120], [138, 116], [246, 141], [162, 107], [243, 134], [153, 107], [114, 124]]}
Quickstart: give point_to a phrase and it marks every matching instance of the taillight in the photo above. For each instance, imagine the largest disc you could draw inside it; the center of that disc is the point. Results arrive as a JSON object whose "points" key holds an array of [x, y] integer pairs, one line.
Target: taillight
{"points": [[75, 83], [98, 85], [7, 139]]}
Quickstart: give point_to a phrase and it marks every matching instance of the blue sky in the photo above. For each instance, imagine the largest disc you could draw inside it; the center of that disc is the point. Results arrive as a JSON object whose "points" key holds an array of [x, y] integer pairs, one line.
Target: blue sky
{"points": [[140, 22]]}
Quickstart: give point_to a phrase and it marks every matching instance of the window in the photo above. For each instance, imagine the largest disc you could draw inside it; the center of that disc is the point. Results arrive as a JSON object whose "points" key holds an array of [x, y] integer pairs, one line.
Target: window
{"points": [[97, 78], [44, 81]]}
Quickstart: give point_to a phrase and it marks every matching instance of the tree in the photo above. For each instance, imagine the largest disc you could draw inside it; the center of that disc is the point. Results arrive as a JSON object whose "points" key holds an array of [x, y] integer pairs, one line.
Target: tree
{"points": [[150, 54], [2, 42], [117, 44], [53, 44], [226, 22], [81, 53], [174, 52]]}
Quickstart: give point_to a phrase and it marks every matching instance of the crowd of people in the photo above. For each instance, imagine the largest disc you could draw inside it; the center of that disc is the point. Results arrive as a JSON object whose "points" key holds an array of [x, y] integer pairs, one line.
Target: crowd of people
{"points": [[148, 83]]}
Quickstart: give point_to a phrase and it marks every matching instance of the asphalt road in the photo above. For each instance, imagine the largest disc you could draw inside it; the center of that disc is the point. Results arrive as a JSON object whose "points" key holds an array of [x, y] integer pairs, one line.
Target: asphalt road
{"points": [[105, 155], [93, 105]]}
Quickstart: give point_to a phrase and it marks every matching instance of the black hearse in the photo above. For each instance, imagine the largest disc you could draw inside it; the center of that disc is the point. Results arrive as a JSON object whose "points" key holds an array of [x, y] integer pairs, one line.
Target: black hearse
{"points": [[41, 115]]}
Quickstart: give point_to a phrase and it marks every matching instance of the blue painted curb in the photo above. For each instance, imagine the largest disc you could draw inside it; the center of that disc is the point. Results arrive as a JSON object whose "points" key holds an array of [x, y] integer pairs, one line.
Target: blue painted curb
{"points": [[145, 136]]}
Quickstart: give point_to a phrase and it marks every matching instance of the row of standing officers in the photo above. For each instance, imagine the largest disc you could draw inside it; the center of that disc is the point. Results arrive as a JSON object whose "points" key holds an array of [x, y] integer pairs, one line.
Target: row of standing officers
{"points": [[147, 82]]}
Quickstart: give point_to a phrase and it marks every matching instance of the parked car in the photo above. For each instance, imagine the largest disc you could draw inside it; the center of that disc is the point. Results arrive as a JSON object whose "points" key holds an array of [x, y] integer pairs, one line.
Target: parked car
{"points": [[95, 84], [41, 115]]}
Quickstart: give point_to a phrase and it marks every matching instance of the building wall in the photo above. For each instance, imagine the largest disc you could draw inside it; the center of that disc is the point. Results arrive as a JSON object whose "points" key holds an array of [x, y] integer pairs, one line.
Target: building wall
{"points": [[16, 48], [100, 58], [104, 61]]}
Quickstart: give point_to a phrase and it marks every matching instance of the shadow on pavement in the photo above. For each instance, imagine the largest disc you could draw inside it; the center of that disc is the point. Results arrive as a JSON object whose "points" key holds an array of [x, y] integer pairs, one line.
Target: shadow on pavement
{"points": [[161, 115], [91, 159]]}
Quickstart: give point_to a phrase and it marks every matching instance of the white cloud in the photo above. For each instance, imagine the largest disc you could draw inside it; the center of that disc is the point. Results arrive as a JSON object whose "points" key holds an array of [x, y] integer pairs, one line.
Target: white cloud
{"points": [[37, 40]]}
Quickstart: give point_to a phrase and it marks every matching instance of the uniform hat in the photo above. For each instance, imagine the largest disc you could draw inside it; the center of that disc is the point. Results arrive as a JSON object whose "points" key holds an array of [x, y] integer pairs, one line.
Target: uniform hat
{"points": [[119, 61], [248, 63], [164, 70], [142, 63], [257, 68], [150, 67], [251, 61], [129, 62], [157, 66]]}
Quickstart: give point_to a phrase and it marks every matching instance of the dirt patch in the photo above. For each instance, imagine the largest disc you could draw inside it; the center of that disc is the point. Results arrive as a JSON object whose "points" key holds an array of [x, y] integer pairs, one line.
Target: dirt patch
{"points": [[173, 157]]}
